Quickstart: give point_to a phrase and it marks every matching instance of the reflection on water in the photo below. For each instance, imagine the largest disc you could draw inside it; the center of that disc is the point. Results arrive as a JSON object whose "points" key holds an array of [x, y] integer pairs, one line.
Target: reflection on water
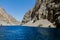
{"points": [[28, 33]]}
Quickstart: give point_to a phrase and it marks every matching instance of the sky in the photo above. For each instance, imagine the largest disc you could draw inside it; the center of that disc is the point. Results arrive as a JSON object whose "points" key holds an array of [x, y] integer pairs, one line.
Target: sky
{"points": [[17, 8]]}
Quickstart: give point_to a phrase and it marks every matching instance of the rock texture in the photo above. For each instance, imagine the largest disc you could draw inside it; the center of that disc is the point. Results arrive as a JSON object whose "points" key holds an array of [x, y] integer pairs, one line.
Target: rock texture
{"points": [[40, 23], [6, 19], [27, 17], [44, 9]]}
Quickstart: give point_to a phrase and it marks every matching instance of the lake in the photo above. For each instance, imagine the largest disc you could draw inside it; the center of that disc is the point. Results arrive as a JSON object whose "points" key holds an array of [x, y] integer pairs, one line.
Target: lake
{"points": [[28, 33]]}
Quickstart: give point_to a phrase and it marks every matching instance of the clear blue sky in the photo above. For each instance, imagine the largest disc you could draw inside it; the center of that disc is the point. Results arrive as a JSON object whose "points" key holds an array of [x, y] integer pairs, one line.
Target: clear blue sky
{"points": [[17, 8]]}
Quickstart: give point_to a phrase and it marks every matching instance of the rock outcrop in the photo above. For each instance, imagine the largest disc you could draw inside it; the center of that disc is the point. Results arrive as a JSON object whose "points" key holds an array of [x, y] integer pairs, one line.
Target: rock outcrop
{"points": [[40, 23], [6, 19], [44, 9], [27, 17]]}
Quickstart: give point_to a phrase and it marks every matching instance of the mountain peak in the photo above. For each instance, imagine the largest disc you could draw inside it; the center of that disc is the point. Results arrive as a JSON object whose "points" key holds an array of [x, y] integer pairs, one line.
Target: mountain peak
{"points": [[6, 19], [1, 8]]}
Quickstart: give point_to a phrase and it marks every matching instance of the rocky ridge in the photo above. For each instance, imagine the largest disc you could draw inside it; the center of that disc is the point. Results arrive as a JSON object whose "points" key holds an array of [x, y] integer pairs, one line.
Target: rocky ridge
{"points": [[6, 19], [44, 9]]}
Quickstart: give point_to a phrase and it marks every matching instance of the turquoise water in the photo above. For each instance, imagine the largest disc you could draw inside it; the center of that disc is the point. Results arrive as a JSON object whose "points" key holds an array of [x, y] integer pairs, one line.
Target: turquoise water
{"points": [[28, 33]]}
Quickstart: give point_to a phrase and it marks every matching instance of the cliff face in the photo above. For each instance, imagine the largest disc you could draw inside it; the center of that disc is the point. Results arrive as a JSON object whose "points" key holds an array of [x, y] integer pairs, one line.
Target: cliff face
{"points": [[6, 19], [44, 9]]}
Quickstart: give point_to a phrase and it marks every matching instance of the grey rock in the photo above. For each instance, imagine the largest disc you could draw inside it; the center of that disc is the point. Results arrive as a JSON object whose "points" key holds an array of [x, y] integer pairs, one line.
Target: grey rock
{"points": [[44, 9]]}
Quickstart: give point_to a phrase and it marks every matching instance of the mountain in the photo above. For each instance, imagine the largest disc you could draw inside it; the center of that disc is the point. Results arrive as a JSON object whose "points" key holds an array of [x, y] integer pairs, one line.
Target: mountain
{"points": [[6, 19], [46, 10]]}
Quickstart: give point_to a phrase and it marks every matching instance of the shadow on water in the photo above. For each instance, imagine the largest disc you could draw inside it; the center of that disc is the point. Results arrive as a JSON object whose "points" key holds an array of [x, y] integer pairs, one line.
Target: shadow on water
{"points": [[28, 33]]}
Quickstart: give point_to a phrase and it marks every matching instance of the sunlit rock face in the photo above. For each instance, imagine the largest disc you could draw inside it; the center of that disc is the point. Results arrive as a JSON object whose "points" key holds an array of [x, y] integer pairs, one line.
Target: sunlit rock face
{"points": [[44, 9], [6, 19], [27, 17]]}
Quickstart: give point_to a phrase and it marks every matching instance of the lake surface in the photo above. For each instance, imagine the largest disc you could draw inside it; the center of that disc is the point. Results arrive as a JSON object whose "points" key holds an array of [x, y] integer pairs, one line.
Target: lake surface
{"points": [[28, 33]]}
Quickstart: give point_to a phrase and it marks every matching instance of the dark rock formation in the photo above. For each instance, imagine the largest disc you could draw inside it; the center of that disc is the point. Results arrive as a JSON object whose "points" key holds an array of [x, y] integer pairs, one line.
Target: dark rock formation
{"points": [[45, 9]]}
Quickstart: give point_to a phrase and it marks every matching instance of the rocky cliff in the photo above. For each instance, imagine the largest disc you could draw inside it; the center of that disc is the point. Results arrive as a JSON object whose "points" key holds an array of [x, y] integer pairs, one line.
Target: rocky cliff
{"points": [[6, 19], [44, 9]]}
